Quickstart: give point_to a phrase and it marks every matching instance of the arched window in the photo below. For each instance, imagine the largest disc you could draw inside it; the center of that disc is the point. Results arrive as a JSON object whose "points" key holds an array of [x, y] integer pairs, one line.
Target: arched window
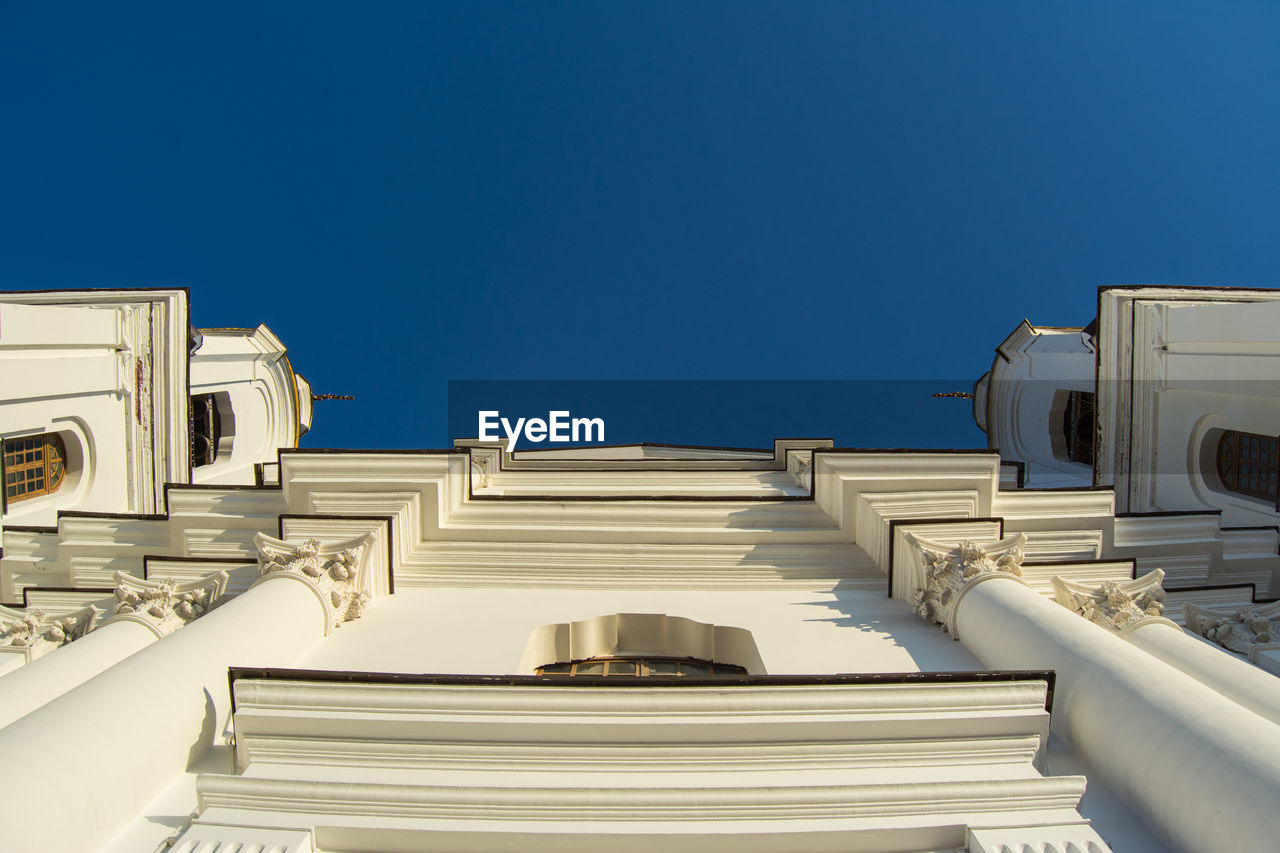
{"points": [[668, 667], [34, 465], [1249, 464]]}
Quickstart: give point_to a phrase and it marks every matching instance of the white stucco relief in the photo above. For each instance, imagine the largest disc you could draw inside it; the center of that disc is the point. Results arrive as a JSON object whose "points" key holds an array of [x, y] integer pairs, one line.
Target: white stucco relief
{"points": [[1245, 630], [32, 634], [1118, 606], [166, 605], [335, 573], [951, 570]]}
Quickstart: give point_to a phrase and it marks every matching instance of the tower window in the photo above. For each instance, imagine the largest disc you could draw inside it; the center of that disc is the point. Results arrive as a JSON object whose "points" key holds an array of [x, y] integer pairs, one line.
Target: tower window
{"points": [[1077, 426], [669, 667], [1249, 464], [206, 429], [33, 466]]}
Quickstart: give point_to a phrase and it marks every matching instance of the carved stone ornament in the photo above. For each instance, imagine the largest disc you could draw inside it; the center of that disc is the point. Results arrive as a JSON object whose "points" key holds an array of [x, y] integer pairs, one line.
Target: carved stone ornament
{"points": [[1119, 606], [804, 471], [951, 569], [481, 466], [166, 605], [33, 634], [1240, 629], [336, 573]]}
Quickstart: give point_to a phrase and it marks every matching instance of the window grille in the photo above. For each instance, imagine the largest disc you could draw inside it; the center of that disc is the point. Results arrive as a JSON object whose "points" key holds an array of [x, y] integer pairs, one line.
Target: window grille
{"points": [[34, 465], [1249, 464]]}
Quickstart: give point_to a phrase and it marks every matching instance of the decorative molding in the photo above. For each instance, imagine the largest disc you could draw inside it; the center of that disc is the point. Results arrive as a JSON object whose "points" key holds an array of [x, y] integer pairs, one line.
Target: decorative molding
{"points": [[203, 837], [1061, 838], [166, 605], [481, 464], [32, 634], [950, 571], [1118, 606], [336, 573], [1246, 630]]}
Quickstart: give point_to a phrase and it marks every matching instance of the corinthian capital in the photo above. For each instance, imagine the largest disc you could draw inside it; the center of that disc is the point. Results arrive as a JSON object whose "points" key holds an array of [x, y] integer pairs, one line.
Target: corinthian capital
{"points": [[950, 570], [1240, 629], [32, 634], [335, 572], [166, 605], [1118, 606]]}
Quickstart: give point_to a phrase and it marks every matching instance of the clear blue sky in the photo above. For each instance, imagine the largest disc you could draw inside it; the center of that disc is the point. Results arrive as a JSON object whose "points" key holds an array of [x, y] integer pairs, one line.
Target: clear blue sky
{"points": [[409, 193]]}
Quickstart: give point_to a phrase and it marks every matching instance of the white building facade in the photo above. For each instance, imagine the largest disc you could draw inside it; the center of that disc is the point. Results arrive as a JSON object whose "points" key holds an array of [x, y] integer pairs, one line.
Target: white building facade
{"points": [[805, 648]]}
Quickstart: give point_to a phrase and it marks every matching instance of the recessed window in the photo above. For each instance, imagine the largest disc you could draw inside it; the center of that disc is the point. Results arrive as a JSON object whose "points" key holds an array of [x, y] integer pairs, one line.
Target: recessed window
{"points": [[668, 667], [1249, 464], [1077, 426], [34, 465]]}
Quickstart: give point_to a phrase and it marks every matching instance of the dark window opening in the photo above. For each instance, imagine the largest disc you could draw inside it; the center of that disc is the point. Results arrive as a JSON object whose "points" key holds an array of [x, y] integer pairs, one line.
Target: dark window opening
{"points": [[1077, 426], [206, 429]]}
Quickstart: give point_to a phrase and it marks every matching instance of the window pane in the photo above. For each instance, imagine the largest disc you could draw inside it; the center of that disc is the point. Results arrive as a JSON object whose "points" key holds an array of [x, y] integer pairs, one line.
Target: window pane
{"points": [[591, 667], [622, 667], [693, 668], [664, 667]]}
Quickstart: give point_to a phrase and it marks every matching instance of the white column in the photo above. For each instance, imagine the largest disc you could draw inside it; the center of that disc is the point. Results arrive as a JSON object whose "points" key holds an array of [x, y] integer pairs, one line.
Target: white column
{"points": [[94, 757], [45, 679], [1159, 737], [146, 610], [1241, 682], [1132, 611]]}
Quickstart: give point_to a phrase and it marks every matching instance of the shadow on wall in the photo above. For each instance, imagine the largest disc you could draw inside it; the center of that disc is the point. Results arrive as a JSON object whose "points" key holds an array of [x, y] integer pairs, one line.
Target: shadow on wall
{"points": [[894, 623]]}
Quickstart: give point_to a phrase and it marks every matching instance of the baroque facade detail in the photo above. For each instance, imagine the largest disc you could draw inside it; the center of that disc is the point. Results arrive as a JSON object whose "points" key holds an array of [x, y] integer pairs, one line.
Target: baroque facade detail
{"points": [[1242, 629], [166, 605], [948, 573], [333, 572], [33, 634], [1118, 606]]}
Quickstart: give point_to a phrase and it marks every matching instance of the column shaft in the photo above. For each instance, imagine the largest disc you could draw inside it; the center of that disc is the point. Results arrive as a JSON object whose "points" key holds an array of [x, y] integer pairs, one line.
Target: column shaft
{"points": [[48, 677], [94, 757], [1189, 759], [1241, 682]]}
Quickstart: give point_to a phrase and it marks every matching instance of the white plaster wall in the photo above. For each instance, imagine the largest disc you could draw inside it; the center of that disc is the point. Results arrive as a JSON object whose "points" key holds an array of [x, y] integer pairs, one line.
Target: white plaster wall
{"points": [[485, 631], [61, 370], [1221, 371]]}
